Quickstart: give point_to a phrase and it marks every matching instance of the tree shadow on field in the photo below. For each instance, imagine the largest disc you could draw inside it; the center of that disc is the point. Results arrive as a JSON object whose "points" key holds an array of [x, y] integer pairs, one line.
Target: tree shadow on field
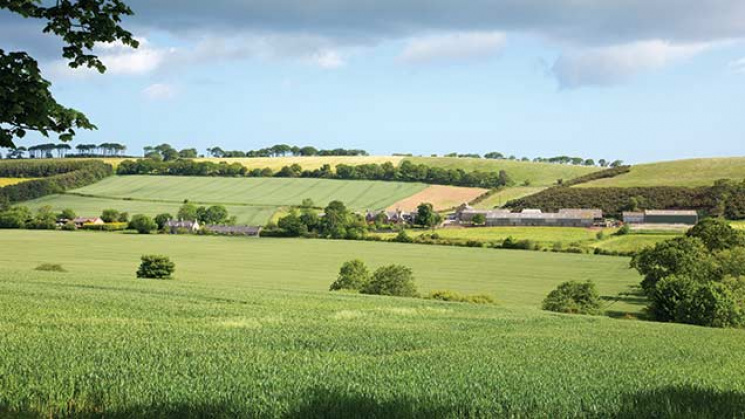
{"points": [[683, 402], [634, 297]]}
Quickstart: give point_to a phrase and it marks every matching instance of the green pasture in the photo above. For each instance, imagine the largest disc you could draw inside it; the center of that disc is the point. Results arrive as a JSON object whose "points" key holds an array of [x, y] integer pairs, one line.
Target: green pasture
{"points": [[538, 174], [506, 195], [692, 172], [542, 235], [248, 330], [633, 242]]}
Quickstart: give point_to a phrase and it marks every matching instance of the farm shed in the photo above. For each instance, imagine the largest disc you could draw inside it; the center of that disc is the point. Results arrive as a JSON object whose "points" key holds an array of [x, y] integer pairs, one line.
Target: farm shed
{"points": [[670, 217], [630, 217], [533, 217]]}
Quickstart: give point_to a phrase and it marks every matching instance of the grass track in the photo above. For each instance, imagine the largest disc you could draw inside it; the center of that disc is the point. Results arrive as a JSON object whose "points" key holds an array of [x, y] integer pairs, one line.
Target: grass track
{"points": [[256, 336], [693, 172]]}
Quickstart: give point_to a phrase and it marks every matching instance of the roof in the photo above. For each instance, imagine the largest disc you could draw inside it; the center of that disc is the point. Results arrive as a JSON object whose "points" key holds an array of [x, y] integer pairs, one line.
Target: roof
{"points": [[671, 212], [633, 214], [181, 224], [531, 211], [540, 216], [85, 219], [590, 212]]}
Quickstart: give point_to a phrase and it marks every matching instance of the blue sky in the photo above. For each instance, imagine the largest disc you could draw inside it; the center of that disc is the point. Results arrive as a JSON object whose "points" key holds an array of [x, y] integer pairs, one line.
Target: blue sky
{"points": [[618, 79]]}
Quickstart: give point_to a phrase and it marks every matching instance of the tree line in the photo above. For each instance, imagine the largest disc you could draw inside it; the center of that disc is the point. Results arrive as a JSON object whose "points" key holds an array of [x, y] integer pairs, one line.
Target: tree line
{"points": [[56, 177], [62, 150], [576, 161], [283, 150], [406, 172]]}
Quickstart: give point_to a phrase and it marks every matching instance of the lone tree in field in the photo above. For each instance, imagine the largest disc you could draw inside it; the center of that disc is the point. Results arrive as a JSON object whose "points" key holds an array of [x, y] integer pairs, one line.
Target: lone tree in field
{"points": [[393, 280], [353, 276], [156, 267], [26, 102]]}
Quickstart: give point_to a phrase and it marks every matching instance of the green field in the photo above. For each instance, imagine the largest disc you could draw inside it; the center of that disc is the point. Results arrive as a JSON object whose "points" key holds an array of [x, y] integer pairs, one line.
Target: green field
{"points": [[252, 200], [307, 163], [693, 172], [633, 242], [542, 235], [248, 330], [539, 174]]}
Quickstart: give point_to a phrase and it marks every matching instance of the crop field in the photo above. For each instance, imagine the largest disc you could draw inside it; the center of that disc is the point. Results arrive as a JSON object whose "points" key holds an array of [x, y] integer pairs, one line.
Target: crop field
{"points": [[441, 197], [5, 181], [693, 172], [538, 174], [506, 195], [243, 333], [309, 163], [91, 207]]}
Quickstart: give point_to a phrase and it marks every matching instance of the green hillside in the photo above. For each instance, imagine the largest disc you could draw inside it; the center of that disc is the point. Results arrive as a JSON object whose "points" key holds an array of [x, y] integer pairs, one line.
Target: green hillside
{"points": [[248, 330], [539, 174], [253, 200], [693, 172]]}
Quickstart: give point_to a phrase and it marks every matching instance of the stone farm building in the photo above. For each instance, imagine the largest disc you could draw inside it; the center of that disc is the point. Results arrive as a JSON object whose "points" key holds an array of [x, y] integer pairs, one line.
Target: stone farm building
{"points": [[674, 217], [533, 217], [174, 226], [390, 217], [235, 230]]}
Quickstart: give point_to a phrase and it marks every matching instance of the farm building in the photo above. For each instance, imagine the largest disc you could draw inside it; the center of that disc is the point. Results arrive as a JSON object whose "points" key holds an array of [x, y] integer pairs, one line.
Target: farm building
{"points": [[684, 217], [534, 218], [235, 230], [174, 226], [390, 217]]}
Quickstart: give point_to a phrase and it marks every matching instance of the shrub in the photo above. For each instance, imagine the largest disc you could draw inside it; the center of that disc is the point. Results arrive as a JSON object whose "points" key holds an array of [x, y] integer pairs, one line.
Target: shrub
{"points": [[573, 297], [393, 280], [106, 227], [682, 300], [624, 230], [353, 275], [156, 267], [162, 219], [69, 226], [403, 237], [50, 267], [717, 234], [110, 216], [143, 224], [453, 296]]}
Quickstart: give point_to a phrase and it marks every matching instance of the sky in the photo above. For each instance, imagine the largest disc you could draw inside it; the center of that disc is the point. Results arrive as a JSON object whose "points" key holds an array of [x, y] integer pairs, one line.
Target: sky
{"points": [[636, 80]]}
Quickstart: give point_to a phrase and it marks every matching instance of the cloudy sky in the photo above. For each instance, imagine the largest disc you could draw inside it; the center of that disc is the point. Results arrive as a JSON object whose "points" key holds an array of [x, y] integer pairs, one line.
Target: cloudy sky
{"points": [[639, 80]]}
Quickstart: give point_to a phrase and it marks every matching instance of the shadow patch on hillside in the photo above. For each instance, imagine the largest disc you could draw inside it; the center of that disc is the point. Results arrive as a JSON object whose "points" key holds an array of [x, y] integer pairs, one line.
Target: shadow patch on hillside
{"points": [[683, 402]]}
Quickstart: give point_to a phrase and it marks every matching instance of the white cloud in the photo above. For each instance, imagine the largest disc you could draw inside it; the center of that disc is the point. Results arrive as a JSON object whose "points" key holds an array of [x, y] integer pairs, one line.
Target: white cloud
{"points": [[160, 91], [603, 66], [738, 66], [327, 59], [452, 47]]}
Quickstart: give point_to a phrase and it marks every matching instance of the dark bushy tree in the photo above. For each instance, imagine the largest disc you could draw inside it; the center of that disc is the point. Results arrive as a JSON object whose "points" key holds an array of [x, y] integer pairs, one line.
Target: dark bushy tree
{"points": [[393, 280], [110, 215], [717, 234], [156, 267], [143, 224], [426, 216], [353, 276], [162, 219], [574, 297]]}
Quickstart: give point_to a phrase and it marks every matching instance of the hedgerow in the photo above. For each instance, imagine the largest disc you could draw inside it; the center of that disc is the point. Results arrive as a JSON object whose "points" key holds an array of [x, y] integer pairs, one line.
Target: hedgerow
{"points": [[56, 176], [602, 174]]}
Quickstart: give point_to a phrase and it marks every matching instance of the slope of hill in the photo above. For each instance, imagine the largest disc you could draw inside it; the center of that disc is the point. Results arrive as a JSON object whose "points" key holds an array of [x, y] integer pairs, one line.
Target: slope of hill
{"points": [[309, 163], [538, 174], [693, 172]]}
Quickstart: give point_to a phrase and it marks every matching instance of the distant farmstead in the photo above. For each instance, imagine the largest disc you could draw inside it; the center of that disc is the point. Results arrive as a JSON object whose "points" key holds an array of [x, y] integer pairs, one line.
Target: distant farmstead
{"points": [[533, 217], [390, 217], [683, 217], [176, 226]]}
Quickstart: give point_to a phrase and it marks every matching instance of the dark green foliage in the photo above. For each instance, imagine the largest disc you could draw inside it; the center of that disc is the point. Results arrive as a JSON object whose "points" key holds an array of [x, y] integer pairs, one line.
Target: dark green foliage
{"points": [[67, 214], [717, 234], [602, 174], [281, 150], [44, 219], [26, 103], [680, 299], [188, 212], [213, 215], [143, 224], [406, 172], [353, 276], [15, 217], [50, 267], [69, 226], [727, 198], [156, 267], [57, 176], [426, 216], [403, 237], [123, 217], [292, 225], [110, 215], [682, 256], [574, 297], [479, 220], [392, 280], [162, 219]]}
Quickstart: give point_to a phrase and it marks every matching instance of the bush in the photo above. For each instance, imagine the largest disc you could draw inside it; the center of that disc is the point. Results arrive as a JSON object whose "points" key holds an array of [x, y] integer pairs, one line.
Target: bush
{"points": [[143, 224], [624, 230], [69, 226], [682, 300], [393, 280], [452, 296], [574, 297], [353, 276], [110, 216], [105, 227], [156, 267], [50, 267], [403, 237]]}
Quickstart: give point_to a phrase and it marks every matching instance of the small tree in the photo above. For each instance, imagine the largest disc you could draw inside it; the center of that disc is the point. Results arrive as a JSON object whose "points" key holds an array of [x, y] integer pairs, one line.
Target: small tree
{"points": [[143, 224], [162, 219], [67, 214], [188, 212], [426, 216], [393, 280], [353, 275], [110, 215], [574, 297], [717, 234], [156, 267], [479, 220], [123, 217]]}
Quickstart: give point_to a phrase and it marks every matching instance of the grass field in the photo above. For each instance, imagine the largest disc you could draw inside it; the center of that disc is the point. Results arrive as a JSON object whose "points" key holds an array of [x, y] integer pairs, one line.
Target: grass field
{"points": [[539, 174], [542, 235], [506, 195], [633, 242], [693, 172], [244, 333], [5, 181]]}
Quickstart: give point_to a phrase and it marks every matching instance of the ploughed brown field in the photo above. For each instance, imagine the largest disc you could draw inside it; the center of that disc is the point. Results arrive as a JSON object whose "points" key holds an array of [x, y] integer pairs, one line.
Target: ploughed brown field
{"points": [[441, 197]]}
